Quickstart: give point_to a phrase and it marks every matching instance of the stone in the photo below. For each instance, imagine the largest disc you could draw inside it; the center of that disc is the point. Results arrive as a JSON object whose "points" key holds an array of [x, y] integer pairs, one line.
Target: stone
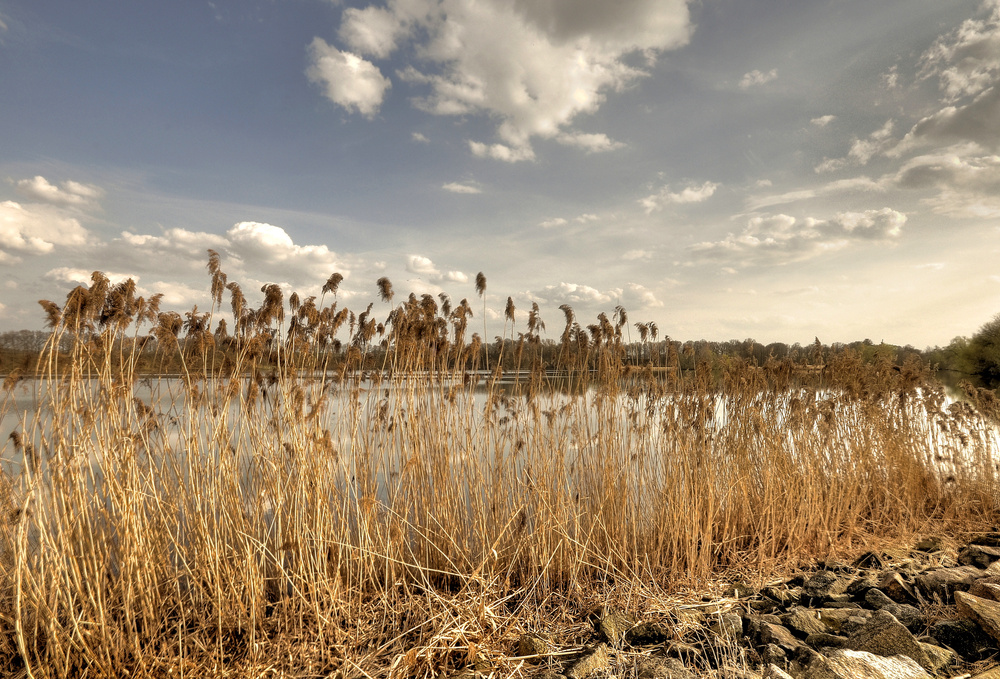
{"points": [[611, 625], [848, 664], [859, 587], [739, 590], [778, 635], [964, 637], [728, 626], [991, 539], [853, 624], [593, 661], [803, 622], [648, 634], [898, 589], [823, 584], [532, 644], [910, 616], [937, 657], [980, 556], [825, 640], [885, 636], [983, 612], [835, 618], [941, 584], [662, 668], [877, 599], [986, 588], [989, 674], [929, 544], [871, 560], [772, 671], [772, 654]]}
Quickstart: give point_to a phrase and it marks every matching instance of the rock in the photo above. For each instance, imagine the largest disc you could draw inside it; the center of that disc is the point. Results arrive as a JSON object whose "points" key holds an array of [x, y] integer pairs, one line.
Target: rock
{"points": [[685, 652], [986, 588], [853, 624], [662, 668], [648, 634], [964, 637], [860, 586], [772, 671], [834, 618], [871, 560], [897, 588], [980, 556], [910, 616], [932, 543], [825, 640], [532, 644], [991, 539], [937, 657], [772, 654], [611, 625], [593, 661], [823, 584], [739, 590], [803, 622], [848, 664], [941, 584], [877, 599], [983, 612], [769, 633], [728, 626], [885, 636], [989, 674]]}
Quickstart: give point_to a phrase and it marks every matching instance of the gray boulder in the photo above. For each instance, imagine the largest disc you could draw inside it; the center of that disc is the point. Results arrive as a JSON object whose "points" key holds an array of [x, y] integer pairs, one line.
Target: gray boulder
{"points": [[848, 664], [885, 636]]}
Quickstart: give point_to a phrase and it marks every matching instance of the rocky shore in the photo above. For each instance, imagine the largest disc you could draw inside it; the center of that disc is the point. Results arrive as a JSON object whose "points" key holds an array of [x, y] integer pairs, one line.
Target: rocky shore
{"points": [[930, 611]]}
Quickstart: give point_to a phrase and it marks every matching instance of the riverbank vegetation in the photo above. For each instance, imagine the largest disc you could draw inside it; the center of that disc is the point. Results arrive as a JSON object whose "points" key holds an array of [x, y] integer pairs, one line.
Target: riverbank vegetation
{"points": [[323, 490]]}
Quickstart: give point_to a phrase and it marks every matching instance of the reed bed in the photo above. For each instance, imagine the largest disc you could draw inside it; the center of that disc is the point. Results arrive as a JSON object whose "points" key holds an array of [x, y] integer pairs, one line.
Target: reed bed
{"points": [[320, 492]]}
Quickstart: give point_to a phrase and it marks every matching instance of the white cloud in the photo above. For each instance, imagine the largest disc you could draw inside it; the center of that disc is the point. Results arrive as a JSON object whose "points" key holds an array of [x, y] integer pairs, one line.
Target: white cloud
{"points": [[418, 137], [862, 150], [456, 187], [690, 194], [66, 274], [346, 79], [70, 193], [631, 296], [823, 121], [423, 266], [637, 255], [967, 60], [507, 154], [967, 185], [591, 143], [586, 217], [756, 77], [35, 230], [549, 223], [978, 121], [782, 239], [532, 65]]}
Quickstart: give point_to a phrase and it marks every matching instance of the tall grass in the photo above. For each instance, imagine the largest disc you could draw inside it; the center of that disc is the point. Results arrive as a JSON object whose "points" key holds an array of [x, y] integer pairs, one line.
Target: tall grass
{"points": [[322, 491]]}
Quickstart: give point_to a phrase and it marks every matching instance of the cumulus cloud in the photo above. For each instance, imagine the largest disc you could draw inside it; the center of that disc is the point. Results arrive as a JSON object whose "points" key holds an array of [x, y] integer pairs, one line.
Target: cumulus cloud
{"points": [[457, 187], [862, 150], [978, 121], [347, 79], [78, 276], [423, 266], [591, 143], [35, 230], [550, 223], [756, 77], [823, 121], [630, 296], [782, 239], [690, 194], [68, 193], [966, 185], [967, 60], [418, 137], [532, 65]]}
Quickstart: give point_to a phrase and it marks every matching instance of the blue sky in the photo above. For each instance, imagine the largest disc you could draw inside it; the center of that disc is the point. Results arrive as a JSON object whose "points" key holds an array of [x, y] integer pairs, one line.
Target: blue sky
{"points": [[773, 169]]}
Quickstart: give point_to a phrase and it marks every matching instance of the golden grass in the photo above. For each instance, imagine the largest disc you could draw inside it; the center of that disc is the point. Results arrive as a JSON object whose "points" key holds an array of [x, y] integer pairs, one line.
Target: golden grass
{"points": [[297, 504]]}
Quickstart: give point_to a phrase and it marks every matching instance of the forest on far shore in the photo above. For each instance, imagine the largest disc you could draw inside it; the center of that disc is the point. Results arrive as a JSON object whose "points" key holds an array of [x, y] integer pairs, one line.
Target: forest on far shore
{"points": [[975, 359]]}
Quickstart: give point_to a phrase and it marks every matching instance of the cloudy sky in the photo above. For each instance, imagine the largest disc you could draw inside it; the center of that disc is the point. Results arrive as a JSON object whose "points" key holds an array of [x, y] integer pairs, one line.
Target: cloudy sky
{"points": [[775, 169]]}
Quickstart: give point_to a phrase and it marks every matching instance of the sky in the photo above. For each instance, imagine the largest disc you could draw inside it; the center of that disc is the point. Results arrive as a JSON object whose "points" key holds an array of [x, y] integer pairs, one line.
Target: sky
{"points": [[770, 169]]}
